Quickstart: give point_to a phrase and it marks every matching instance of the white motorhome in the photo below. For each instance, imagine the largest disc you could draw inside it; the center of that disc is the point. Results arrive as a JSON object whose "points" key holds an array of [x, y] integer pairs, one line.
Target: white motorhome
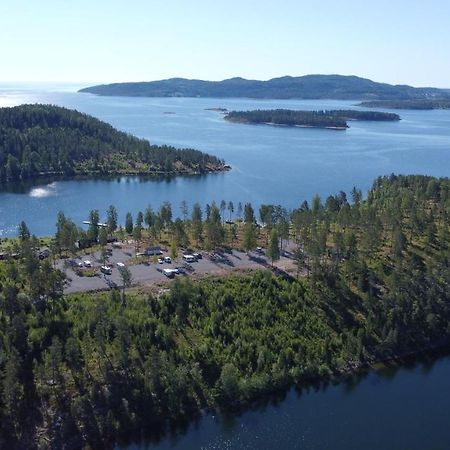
{"points": [[169, 273], [189, 258]]}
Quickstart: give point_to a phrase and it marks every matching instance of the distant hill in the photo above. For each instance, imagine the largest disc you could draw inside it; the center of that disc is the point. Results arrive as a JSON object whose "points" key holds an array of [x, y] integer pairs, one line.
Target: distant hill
{"points": [[45, 140], [305, 87]]}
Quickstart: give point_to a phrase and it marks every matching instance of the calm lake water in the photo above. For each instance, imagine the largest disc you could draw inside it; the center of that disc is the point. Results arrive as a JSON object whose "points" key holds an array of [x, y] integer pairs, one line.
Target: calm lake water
{"points": [[403, 408], [270, 164]]}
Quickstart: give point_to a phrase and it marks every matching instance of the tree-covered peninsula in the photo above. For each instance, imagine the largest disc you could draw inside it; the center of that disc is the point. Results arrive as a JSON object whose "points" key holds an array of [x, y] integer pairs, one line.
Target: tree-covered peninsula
{"points": [[420, 104], [86, 368], [336, 119], [40, 140]]}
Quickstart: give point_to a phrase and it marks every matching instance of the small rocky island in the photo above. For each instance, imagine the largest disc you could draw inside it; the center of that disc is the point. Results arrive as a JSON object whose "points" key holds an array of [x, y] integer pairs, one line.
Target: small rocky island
{"points": [[332, 119], [38, 140], [222, 110]]}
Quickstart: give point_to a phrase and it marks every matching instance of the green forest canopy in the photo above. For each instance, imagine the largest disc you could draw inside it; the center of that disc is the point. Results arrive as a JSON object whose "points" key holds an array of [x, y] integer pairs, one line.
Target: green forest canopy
{"points": [[421, 104], [90, 367], [319, 119], [45, 139]]}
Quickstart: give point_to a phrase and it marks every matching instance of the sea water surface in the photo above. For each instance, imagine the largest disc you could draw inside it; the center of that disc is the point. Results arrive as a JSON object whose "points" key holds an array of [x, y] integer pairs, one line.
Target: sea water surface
{"points": [[396, 408], [277, 165]]}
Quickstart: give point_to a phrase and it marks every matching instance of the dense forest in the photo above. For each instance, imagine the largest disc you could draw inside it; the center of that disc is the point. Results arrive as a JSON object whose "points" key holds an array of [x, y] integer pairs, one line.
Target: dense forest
{"points": [[44, 139], [307, 87], [317, 119], [438, 103], [83, 369]]}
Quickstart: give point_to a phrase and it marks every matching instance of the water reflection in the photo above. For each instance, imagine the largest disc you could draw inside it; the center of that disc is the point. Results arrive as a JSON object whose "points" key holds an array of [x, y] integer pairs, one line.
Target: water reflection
{"points": [[338, 414], [44, 184]]}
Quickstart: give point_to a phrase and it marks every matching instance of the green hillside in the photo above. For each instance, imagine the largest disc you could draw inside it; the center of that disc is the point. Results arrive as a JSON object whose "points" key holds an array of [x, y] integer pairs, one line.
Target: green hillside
{"points": [[40, 140]]}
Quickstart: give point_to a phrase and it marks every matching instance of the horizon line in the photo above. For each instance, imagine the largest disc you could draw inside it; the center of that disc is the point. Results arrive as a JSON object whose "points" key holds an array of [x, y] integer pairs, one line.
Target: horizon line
{"points": [[95, 83]]}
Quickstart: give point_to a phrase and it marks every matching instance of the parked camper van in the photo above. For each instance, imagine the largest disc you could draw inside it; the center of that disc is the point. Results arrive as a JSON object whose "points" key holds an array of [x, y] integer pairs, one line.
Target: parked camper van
{"points": [[169, 273], [189, 258]]}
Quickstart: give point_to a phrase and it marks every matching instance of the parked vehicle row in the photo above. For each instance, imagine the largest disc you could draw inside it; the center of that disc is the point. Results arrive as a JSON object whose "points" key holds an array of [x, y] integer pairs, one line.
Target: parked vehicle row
{"points": [[166, 259], [105, 264], [192, 256], [41, 254], [170, 273]]}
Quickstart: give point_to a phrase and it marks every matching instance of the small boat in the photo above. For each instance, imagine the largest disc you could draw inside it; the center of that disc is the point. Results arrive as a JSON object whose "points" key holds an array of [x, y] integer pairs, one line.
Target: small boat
{"points": [[99, 224]]}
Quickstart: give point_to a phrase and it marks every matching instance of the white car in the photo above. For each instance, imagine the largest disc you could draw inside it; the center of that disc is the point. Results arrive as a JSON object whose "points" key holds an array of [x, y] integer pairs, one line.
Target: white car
{"points": [[160, 260], [120, 264], [168, 259], [106, 270], [87, 263]]}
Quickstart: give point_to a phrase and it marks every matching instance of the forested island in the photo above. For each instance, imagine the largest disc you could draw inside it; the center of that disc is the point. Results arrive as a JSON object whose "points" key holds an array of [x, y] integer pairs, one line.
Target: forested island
{"points": [[336, 119], [304, 87], [84, 369], [420, 104], [37, 140]]}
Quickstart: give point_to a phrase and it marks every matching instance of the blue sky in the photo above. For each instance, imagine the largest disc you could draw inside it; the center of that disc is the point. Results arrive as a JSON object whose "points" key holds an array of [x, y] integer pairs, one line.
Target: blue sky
{"points": [[394, 41]]}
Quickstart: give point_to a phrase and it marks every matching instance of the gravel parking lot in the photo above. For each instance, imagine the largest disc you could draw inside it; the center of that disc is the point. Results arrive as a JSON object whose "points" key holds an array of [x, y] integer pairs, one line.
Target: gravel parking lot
{"points": [[149, 273]]}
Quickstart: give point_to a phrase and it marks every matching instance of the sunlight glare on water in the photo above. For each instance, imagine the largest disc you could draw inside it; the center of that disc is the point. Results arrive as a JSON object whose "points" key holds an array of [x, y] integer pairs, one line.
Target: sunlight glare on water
{"points": [[47, 191]]}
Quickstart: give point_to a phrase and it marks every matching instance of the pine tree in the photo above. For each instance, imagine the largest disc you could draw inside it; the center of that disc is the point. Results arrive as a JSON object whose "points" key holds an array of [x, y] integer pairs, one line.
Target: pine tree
{"points": [[129, 223], [249, 238], [273, 249], [111, 220]]}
